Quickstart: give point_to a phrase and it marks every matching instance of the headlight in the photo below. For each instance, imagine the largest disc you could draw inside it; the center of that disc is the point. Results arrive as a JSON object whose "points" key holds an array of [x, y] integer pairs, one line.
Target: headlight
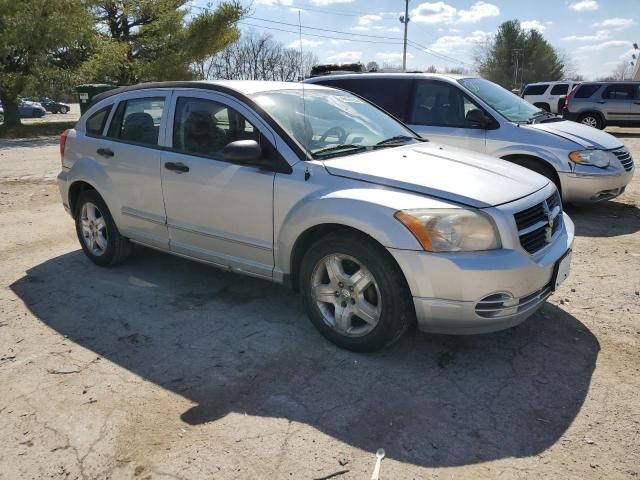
{"points": [[451, 230], [596, 158]]}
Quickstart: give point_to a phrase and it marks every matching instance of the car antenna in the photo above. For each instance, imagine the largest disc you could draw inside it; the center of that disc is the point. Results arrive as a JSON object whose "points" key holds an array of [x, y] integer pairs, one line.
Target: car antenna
{"points": [[304, 105]]}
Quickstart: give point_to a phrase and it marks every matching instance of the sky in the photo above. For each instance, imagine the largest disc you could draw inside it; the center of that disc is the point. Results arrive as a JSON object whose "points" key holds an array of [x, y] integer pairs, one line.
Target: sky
{"points": [[596, 34]]}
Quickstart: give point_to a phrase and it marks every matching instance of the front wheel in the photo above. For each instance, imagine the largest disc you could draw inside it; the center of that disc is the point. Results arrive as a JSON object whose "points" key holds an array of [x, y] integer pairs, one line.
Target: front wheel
{"points": [[97, 232], [63, 110], [354, 293]]}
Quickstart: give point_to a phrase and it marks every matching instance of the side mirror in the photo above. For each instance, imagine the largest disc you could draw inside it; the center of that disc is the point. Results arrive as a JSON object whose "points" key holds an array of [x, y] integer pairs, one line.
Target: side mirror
{"points": [[244, 152], [478, 118]]}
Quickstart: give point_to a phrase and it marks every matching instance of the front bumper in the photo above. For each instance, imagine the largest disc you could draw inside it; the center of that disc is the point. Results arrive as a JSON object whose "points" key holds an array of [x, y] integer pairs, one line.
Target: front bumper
{"points": [[591, 184], [450, 290]]}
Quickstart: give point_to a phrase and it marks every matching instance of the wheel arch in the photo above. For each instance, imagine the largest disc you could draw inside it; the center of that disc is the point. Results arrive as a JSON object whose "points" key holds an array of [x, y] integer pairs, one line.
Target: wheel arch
{"points": [[522, 159], [75, 190]]}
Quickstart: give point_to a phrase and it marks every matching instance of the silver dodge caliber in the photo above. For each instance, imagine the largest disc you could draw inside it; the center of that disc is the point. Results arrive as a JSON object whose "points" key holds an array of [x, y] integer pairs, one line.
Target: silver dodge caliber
{"points": [[318, 189]]}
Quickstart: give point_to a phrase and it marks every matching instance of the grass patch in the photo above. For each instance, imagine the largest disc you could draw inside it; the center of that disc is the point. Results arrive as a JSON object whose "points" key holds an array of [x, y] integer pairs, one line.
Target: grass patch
{"points": [[34, 130]]}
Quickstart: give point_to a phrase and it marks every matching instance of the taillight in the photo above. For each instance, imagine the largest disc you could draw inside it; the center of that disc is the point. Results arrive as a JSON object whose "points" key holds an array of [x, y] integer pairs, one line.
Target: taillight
{"points": [[568, 97], [63, 143]]}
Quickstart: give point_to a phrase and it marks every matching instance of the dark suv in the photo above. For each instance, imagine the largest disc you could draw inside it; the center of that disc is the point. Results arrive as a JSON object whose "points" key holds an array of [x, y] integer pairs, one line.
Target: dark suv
{"points": [[599, 104]]}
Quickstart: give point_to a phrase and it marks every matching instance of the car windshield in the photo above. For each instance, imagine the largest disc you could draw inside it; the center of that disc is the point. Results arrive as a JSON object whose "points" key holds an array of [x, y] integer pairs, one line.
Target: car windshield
{"points": [[510, 106], [332, 123]]}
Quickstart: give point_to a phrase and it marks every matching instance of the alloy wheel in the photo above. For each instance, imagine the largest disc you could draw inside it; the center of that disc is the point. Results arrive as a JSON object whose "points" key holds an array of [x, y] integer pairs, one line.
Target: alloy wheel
{"points": [[590, 121], [94, 229], [346, 294]]}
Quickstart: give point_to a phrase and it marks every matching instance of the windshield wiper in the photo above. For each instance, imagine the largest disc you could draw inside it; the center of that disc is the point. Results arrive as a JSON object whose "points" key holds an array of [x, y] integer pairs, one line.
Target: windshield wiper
{"points": [[539, 115], [338, 150], [398, 139]]}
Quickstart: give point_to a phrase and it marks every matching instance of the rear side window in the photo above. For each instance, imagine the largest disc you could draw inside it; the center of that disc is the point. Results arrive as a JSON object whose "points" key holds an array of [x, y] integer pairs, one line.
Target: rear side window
{"points": [[95, 123], [138, 120], [560, 89], [536, 89], [390, 94], [622, 91], [585, 91]]}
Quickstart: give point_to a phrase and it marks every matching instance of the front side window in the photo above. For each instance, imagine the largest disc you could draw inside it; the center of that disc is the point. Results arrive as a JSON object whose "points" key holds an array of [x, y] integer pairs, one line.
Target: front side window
{"points": [[95, 123], [622, 91], [510, 106], [205, 127], [441, 104], [560, 89], [138, 120], [329, 123]]}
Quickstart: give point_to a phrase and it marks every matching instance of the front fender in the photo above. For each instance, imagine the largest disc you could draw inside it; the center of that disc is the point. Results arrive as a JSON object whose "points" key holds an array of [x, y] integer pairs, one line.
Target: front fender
{"points": [[367, 210]]}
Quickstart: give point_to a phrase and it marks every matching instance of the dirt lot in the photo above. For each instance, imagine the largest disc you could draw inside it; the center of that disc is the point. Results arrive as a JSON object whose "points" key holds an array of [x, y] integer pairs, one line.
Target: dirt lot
{"points": [[168, 368]]}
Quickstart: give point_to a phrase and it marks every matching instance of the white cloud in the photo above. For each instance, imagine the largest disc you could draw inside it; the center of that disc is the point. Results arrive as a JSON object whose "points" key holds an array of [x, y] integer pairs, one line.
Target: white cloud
{"points": [[305, 43], [477, 12], [584, 6], [369, 19], [627, 55], [345, 57], [533, 25], [271, 3], [440, 12], [451, 43], [598, 36], [392, 57], [323, 3], [615, 23], [604, 45]]}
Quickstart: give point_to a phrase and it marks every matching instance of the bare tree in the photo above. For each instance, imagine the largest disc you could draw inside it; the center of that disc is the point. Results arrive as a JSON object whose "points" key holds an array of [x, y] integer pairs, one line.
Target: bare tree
{"points": [[259, 57]]}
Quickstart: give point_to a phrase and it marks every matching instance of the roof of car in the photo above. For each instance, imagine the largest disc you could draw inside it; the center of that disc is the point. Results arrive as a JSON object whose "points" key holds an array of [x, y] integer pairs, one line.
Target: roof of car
{"points": [[245, 87], [451, 76]]}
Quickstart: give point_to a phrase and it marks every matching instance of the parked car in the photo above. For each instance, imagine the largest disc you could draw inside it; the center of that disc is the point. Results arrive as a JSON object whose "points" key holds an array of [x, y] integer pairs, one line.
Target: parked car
{"points": [[473, 113], [27, 109], [548, 96], [598, 104], [318, 189], [53, 106]]}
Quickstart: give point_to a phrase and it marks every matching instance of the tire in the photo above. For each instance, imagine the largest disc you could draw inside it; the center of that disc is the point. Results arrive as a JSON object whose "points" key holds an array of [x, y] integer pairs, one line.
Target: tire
{"points": [[592, 120], [541, 168], [381, 295], [97, 232], [63, 110]]}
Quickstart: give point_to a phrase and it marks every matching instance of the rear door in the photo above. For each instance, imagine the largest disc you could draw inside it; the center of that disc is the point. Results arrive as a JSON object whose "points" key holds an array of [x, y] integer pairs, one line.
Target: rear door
{"points": [[616, 101], [438, 113], [131, 153], [218, 211]]}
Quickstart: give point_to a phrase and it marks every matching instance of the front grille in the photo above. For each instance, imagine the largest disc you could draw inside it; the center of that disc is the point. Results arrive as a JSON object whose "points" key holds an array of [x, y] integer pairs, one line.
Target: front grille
{"points": [[537, 224], [625, 158]]}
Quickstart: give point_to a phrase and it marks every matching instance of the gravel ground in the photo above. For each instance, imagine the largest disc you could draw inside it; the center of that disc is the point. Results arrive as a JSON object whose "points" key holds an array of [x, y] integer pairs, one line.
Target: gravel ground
{"points": [[168, 368]]}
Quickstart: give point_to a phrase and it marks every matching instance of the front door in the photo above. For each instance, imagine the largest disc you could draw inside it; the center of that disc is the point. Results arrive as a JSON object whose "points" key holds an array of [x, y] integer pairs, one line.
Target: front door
{"points": [[218, 211], [439, 114]]}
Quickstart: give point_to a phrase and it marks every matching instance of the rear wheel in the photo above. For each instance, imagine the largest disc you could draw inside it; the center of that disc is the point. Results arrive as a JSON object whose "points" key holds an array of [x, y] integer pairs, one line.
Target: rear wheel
{"points": [[354, 293], [592, 120], [64, 109], [99, 237]]}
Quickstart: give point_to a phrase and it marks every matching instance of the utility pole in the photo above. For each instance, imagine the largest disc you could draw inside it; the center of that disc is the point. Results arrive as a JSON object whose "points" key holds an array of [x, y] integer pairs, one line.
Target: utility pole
{"points": [[517, 54], [405, 19]]}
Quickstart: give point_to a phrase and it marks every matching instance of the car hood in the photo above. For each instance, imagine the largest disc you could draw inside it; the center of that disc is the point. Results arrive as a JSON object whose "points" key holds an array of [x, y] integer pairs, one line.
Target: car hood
{"points": [[586, 137], [440, 171]]}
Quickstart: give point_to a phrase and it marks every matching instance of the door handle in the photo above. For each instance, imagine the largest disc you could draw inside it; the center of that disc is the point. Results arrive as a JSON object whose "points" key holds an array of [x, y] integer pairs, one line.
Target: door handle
{"points": [[176, 167], [105, 152]]}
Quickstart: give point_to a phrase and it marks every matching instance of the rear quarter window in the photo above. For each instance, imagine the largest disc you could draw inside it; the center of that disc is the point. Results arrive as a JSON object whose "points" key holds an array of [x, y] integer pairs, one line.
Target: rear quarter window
{"points": [[95, 123], [585, 91], [536, 89]]}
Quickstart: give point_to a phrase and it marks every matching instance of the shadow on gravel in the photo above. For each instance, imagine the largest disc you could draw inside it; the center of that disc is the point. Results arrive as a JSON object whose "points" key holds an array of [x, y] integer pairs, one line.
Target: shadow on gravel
{"points": [[29, 142], [606, 219], [236, 344]]}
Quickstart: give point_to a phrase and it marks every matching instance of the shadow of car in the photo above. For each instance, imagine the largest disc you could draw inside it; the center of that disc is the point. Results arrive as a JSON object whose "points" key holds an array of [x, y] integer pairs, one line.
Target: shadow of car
{"points": [[238, 344]]}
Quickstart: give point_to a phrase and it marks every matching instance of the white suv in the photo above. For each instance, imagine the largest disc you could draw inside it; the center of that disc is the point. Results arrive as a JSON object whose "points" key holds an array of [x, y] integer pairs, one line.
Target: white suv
{"points": [[548, 96]]}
